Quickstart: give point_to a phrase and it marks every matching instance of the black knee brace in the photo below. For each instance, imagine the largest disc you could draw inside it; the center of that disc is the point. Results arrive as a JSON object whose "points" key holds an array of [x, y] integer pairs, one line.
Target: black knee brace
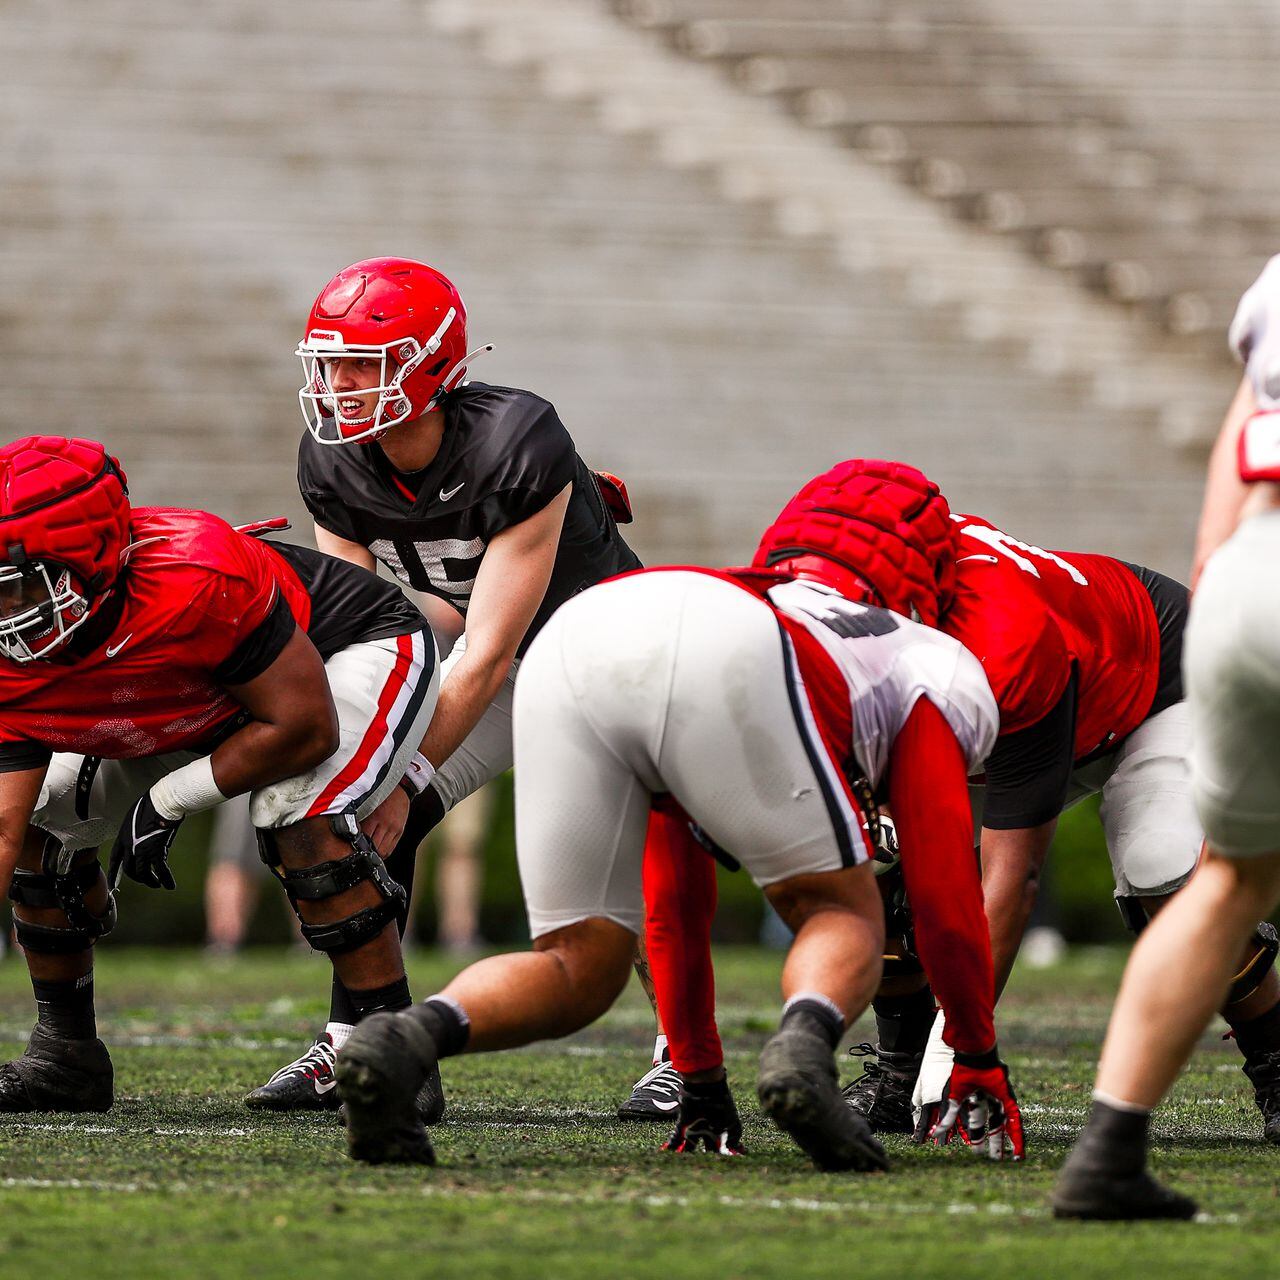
{"points": [[53, 887], [328, 879], [1266, 945]]}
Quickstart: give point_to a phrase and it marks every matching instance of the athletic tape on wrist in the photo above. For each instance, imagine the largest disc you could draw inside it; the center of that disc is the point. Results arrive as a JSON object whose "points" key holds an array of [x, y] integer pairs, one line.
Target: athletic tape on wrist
{"points": [[186, 790]]}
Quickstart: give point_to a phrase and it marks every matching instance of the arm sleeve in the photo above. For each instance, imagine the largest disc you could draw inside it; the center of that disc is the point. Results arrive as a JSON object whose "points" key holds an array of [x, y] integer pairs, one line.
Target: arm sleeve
{"points": [[1028, 771], [929, 796], [16, 757], [260, 648]]}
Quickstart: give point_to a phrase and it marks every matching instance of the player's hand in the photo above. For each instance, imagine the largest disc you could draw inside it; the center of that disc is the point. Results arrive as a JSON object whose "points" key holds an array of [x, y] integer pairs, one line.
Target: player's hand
{"points": [[385, 825], [708, 1119], [141, 850], [980, 1105], [931, 1080]]}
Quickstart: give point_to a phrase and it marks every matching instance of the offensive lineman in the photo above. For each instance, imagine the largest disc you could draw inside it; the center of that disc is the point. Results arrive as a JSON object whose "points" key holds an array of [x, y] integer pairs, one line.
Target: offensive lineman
{"points": [[171, 662], [1084, 656], [745, 698], [469, 492], [1183, 962]]}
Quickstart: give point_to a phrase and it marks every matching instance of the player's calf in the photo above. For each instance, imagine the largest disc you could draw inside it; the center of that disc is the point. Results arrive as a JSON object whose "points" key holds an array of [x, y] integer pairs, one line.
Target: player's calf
{"points": [[61, 908]]}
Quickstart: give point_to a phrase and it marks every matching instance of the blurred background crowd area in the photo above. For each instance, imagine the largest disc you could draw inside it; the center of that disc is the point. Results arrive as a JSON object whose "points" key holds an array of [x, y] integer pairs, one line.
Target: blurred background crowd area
{"points": [[732, 240]]}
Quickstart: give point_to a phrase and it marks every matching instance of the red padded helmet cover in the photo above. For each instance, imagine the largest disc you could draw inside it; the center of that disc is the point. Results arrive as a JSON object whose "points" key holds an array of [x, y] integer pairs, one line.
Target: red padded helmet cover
{"points": [[64, 501], [885, 522]]}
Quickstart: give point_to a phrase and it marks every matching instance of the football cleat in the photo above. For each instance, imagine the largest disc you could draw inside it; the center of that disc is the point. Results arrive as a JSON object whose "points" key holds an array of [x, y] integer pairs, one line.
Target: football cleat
{"points": [[1084, 1192], [305, 1084], [655, 1096], [57, 1074], [882, 1093], [799, 1091], [381, 1071], [1263, 1070]]}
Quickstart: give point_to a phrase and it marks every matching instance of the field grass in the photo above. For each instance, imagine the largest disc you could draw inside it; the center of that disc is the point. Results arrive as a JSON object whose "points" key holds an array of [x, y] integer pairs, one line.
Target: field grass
{"points": [[536, 1178]]}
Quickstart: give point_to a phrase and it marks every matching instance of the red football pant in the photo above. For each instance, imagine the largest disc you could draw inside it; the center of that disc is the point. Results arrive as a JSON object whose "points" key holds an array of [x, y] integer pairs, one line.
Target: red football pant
{"points": [[680, 901]]}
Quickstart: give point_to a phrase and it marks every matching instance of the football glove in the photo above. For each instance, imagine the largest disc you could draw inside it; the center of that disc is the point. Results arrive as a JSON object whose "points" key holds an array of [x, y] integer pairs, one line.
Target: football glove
{"points": [[980, 1105], [707, 1118], [141, 850], [931, 1081]]}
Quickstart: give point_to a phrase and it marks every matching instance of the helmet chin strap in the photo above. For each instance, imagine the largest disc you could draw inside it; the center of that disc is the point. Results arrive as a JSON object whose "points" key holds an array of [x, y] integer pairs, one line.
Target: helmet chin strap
{"points": [[458, 369]]}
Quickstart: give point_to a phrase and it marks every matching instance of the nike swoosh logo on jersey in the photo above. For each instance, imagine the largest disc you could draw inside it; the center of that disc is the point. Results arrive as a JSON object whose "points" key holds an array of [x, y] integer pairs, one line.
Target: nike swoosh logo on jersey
{"points": [[113, 649], [445, 496], [988, 559]]}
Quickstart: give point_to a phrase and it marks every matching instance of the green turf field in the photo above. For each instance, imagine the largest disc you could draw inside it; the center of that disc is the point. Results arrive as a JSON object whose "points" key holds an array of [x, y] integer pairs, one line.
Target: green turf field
{"points": [[537, 1179]]}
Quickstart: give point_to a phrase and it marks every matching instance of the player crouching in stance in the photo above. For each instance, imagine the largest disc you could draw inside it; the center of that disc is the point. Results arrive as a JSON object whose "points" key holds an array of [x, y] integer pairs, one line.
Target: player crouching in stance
{"points": [[744, 697], [1183, 963], [170, 662]]}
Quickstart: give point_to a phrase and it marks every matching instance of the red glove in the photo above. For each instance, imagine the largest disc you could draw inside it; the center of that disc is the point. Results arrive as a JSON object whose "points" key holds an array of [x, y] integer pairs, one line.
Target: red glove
{"points": [[980, 1097]]}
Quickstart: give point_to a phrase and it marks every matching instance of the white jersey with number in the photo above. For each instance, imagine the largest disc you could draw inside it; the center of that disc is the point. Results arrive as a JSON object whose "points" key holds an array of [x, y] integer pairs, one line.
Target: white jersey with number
{"points": [[888, 663]]}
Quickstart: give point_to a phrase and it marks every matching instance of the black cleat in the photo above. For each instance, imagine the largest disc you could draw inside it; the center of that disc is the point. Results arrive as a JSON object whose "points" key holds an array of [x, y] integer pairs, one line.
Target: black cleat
{"points": [[798, 1089], [430, 1100], [58, 1074], [1083, 1192], [882, 1093], [655, 1096], [1263, 1070], [380, 1074], [305, 1084]]}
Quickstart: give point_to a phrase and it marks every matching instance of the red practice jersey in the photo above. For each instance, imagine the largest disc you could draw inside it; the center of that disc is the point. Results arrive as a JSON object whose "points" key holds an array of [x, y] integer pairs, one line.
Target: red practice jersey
{"points": [[200, 606], [1030, 615]]}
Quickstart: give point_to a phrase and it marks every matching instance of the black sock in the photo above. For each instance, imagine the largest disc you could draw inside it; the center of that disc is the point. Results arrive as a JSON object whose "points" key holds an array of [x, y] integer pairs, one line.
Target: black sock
{"points": [[66, 1008], [424, 813], [818, 1017], [1116, 1139], [445, 1023], [394, 996], [903, 1023], [1260, 1034]]}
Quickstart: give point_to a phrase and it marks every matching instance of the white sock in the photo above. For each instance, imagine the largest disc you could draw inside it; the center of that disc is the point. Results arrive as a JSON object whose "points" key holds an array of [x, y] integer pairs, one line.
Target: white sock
{"points": [[660, 1052], [1118, 1104], [339, 1032]]}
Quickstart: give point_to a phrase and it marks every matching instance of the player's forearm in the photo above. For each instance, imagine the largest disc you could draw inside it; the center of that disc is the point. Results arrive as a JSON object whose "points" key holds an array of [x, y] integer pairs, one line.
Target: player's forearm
{"points": [[262, 753], [1011, 862], [469, 689], [1225, 492]]}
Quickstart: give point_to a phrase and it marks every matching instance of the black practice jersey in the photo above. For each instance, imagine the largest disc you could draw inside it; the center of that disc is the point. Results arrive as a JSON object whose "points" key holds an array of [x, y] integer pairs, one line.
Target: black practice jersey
{"points": [[505, 454]]}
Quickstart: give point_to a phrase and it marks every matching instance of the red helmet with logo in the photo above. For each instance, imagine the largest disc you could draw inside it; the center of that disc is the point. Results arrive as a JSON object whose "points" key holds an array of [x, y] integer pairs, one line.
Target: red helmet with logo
{"points": [[875, 531], [403, 315], [64, 525]]}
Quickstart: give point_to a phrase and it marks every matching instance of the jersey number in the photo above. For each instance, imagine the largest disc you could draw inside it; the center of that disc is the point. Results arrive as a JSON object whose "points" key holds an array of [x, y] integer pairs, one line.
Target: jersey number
{"points": [[1023, 554]]}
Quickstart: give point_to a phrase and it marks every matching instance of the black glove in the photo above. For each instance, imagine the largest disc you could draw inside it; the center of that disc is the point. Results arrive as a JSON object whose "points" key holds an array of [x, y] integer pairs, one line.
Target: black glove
{"points": [[707, 1118], [141, 850]]}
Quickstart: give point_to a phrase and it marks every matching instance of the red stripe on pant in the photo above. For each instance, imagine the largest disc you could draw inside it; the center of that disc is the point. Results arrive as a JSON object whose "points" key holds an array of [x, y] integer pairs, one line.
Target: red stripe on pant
{"points": [[376, 733], [680, 901]]}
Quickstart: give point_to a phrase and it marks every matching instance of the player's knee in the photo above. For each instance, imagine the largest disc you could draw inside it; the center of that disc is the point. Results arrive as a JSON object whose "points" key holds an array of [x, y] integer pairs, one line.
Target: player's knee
{"points": [[337, 883], [851, 890], [595, 956], [61, 904]]}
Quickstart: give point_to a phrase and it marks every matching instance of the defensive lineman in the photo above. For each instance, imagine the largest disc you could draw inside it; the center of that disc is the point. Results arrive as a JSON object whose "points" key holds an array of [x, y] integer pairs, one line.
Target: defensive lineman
{"points": [[472, 493], [154, 662], [1183, 962], [1083, 653], [743, 697]]}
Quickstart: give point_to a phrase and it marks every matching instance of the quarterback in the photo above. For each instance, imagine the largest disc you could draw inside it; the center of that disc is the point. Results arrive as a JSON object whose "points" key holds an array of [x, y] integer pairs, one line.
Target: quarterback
{"points": [[752, 701], [1185, 960], [469, 492], [153, 662]]}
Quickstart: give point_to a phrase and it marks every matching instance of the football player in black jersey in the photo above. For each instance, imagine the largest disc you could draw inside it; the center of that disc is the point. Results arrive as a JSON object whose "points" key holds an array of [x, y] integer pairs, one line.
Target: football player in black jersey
{"points": [[471, 493]]}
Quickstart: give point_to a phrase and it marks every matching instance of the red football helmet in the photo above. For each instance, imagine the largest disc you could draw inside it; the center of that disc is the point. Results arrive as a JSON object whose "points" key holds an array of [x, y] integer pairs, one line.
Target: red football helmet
{"points": [[64, 526], [879, 532], [407, 317]]}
